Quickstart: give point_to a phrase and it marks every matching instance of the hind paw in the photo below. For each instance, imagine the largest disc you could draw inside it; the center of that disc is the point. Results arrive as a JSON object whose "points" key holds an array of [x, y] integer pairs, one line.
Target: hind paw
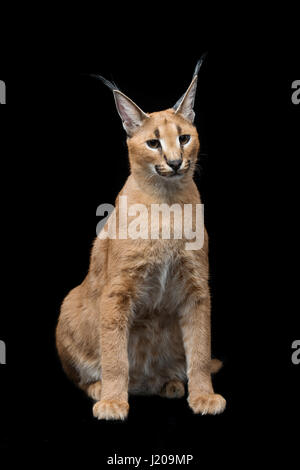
{"points": [[94, 391], [173, 389]]}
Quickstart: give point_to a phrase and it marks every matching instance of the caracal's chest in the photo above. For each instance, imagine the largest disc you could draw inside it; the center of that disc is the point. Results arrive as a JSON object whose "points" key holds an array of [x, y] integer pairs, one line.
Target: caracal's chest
{"points": [[155, 346], [162, 286]]}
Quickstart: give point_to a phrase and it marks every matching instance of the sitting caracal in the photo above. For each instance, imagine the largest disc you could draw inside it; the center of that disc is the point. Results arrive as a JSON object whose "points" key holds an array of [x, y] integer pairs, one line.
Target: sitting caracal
{"points": [[140, 320]]}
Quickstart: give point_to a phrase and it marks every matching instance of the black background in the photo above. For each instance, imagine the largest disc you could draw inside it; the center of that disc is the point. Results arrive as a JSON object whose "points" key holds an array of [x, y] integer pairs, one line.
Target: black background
{"points": [[64, 153]]}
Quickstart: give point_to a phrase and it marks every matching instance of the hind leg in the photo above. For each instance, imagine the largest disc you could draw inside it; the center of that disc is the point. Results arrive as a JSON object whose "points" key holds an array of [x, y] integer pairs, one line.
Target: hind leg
{"points": [[92, 388], [89, 385], [173, 389]]}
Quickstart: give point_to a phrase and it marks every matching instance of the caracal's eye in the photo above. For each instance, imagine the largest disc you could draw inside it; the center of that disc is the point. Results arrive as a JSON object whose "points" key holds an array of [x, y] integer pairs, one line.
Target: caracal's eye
{"points": [[153, 144], [184, 139]]}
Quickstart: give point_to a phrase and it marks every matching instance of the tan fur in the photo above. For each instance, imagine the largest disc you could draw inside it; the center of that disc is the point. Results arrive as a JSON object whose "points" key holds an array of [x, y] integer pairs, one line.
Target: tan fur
{"points": [[140, 321]]}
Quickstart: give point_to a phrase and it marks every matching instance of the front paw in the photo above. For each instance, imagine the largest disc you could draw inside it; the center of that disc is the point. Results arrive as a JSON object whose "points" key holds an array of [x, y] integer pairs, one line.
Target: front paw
{"points": [[111, 409], [207, 403]]}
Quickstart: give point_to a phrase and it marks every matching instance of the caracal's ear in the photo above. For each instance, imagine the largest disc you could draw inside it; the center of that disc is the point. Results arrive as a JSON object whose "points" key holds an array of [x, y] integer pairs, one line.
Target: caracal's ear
{"points": [[132, 116], [185, 105]]}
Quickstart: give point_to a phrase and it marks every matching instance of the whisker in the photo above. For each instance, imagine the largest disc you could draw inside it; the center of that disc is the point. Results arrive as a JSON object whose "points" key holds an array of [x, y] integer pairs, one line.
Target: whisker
{"points": [[197, 168]]}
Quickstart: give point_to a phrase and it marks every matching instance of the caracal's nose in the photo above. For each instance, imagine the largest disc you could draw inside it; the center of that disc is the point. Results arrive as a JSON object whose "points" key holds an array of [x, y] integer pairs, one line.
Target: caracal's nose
{"points": [[174, 164]]}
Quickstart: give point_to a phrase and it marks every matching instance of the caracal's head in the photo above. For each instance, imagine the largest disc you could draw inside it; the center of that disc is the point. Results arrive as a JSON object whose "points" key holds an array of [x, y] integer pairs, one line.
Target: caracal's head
{"points": [[163, 146]]}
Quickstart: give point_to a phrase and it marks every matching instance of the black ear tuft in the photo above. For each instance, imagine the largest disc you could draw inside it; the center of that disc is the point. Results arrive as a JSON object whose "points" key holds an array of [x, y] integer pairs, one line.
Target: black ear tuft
{"points": [[111, 85], [199, 63], [198, 66]]}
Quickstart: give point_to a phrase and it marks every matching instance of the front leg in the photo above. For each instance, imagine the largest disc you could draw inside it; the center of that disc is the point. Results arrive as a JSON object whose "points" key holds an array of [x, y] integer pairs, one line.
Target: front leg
{"points": [[114, 318], [195, 324]]}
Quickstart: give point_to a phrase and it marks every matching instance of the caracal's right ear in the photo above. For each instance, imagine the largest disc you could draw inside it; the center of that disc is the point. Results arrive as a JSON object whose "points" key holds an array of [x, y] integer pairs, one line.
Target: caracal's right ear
{"points": [[132, 116]]}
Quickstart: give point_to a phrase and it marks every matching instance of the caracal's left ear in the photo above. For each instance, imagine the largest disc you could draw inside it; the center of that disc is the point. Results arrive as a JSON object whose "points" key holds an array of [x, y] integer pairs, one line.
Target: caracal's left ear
{"points": [[185, 106], [132, 116]]}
